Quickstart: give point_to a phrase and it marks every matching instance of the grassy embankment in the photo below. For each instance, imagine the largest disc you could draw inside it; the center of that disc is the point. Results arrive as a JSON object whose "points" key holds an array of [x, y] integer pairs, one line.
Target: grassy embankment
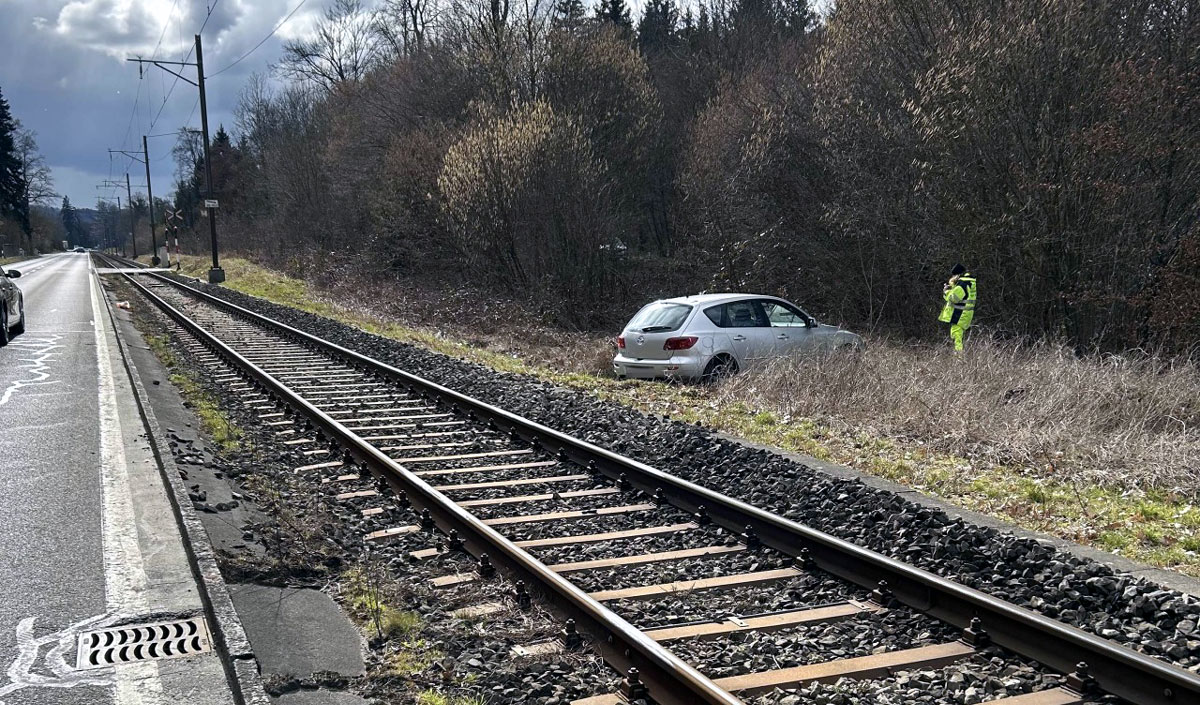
{"points": [[1099, 451]]}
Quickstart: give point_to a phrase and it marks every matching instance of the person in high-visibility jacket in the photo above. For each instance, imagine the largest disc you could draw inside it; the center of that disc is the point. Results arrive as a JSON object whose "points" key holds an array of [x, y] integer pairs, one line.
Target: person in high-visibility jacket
{"points": [[959, 311]]}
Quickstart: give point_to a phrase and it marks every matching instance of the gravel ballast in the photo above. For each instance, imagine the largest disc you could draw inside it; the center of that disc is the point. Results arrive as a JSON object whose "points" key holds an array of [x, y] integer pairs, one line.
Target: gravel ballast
{"points": [[1076, 590]]}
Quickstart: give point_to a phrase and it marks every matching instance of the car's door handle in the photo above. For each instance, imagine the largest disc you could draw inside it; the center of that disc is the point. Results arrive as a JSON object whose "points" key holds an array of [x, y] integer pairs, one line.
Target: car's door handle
{"points": [[738, 338], [782, 336]]}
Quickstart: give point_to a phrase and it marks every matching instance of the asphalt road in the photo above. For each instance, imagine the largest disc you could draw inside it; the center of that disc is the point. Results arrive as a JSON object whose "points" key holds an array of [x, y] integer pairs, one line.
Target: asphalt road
{"points": [[51, 556]]}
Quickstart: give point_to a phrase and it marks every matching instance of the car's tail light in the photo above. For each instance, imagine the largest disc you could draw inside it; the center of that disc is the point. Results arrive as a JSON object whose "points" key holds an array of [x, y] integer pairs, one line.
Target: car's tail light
{"points": [[681, 343], [621, 342]]}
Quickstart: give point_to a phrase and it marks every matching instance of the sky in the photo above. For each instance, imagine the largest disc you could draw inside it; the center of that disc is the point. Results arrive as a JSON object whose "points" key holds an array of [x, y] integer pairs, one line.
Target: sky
{"points": [[64, 73]]}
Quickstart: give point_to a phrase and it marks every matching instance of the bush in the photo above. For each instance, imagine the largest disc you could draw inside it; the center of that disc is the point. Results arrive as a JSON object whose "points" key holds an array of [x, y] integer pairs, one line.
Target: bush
{"points": [[525, 200]]}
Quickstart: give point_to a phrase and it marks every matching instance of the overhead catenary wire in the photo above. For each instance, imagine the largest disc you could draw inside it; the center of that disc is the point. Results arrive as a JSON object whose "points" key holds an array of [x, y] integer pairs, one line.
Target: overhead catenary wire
{"points": [[186, 56], [157, 46], [263, 41]]}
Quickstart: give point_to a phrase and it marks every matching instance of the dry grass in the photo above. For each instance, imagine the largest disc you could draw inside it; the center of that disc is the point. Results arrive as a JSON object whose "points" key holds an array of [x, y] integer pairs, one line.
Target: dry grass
{"points": [[1129, 422]]}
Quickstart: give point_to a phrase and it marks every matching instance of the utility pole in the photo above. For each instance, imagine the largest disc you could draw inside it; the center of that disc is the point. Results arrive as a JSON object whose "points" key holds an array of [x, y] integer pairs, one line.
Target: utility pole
{"points": [[107, 184], [145, 159], [216, 275], [154, 260], [132, 216], [114, 229]]}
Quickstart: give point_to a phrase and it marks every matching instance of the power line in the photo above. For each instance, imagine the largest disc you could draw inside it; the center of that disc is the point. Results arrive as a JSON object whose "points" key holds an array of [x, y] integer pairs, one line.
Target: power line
{"points": [[185, 58], [166, 24], [136, 98], [264, 40]]}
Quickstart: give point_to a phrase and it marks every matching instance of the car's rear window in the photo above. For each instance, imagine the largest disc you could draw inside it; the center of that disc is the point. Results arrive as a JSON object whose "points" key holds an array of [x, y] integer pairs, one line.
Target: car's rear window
{"points": [[660, 316]]}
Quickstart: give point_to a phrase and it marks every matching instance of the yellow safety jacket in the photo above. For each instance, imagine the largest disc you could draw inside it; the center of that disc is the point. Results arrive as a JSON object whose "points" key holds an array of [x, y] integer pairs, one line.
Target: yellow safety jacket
{"points": [[960, 302]]}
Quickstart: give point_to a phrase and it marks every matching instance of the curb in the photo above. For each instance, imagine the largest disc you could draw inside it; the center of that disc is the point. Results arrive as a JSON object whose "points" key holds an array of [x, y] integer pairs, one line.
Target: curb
{"points": [[237, 655]]}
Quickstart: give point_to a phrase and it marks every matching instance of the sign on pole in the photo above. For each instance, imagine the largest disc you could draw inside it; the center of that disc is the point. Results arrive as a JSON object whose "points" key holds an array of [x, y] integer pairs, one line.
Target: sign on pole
{"points": [[210, 203]]}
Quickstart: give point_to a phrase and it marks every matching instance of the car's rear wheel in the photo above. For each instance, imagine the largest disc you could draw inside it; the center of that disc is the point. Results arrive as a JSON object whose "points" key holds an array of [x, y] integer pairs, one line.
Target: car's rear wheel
{"points": [[20, 327], [719, 368]]}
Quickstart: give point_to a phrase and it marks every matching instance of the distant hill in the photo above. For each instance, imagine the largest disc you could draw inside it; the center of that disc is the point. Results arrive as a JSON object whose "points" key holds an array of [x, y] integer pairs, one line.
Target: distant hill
{"points": [[86, 215]]}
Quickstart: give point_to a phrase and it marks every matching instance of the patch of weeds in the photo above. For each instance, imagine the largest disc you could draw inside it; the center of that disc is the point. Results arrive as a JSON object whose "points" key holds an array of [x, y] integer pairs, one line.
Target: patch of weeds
{"points": [[412, 657], [1035, 492], [1114, 541], [366, 601], [215, 423], [432, 697], [1149, 510]]}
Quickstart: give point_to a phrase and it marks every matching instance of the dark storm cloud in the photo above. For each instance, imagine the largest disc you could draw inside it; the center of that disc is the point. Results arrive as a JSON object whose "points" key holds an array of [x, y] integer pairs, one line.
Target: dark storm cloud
{"points": [[63, 72]]}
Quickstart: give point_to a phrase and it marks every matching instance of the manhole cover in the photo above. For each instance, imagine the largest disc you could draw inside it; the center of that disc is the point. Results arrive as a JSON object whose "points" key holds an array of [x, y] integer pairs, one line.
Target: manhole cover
{"points": [[142, 642]]}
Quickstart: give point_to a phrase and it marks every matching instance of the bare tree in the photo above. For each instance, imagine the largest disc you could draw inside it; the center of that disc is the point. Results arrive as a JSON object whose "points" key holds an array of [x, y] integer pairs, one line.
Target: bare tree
{"points": [[406, 26], [344, 47], [35, 175]]}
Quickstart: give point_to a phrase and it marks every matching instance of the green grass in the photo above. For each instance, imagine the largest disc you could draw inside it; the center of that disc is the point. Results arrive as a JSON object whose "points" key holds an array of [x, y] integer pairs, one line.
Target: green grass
{"points": [[366, 602], [432, 697], [1158, 528], [213, 421]]}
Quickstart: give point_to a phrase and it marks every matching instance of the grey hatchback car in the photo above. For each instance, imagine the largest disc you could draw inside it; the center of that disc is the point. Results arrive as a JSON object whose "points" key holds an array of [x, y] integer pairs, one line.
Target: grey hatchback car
{"points": [[713, 335]]}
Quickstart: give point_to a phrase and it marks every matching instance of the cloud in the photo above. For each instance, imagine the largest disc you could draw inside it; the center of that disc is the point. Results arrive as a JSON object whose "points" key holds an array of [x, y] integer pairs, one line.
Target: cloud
{"points": [[115, 27], [64, 75], [122, 28]]}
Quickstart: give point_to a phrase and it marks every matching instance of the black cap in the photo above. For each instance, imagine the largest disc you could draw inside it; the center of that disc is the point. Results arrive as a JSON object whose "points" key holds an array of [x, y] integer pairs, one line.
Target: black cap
{"points": [[958, 269]]}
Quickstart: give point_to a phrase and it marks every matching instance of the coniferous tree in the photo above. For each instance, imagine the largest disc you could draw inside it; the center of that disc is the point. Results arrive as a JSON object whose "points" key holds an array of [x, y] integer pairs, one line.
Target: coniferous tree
{"points": [[615, 11], [659, 25], [70, 219], [12, 189], [569, 15]]}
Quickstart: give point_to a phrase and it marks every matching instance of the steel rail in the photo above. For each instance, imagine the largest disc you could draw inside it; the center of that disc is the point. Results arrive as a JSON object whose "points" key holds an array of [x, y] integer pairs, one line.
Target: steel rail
{"points": [[1112, 668], [670, 680]]}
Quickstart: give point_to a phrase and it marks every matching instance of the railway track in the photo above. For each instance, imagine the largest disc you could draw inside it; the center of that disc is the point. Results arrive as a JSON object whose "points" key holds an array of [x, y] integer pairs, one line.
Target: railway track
{"points": [[657, 574]]}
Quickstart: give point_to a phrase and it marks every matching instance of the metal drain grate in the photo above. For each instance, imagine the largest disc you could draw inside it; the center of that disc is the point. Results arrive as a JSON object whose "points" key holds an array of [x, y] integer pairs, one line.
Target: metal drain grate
{"points": [[130, 643]]}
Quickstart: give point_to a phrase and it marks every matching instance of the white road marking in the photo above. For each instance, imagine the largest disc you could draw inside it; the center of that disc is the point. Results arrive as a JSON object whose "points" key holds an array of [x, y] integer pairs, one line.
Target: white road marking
{"points": [[36, 351], [21, 673], [125, 580]]}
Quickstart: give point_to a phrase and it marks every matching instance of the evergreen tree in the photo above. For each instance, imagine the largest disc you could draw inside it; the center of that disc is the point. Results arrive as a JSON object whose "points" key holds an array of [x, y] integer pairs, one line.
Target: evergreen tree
{"points": [[12, 188], [70, 219], [657, 30], [615, 11], [569, 15]]}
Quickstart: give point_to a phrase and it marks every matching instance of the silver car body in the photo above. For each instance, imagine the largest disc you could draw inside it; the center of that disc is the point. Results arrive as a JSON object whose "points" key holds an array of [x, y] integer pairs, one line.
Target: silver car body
{"points": [[687, 337], [11, 298]]}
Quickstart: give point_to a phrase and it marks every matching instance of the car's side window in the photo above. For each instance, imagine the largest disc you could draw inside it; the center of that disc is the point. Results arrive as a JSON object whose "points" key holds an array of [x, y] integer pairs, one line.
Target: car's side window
{"points": [[716, 314], [744, 314], [783, 316]]}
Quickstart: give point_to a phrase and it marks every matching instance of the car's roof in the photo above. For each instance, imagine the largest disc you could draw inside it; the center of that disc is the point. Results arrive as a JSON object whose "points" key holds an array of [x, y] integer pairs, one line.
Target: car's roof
{"points": [[702, 299]]}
